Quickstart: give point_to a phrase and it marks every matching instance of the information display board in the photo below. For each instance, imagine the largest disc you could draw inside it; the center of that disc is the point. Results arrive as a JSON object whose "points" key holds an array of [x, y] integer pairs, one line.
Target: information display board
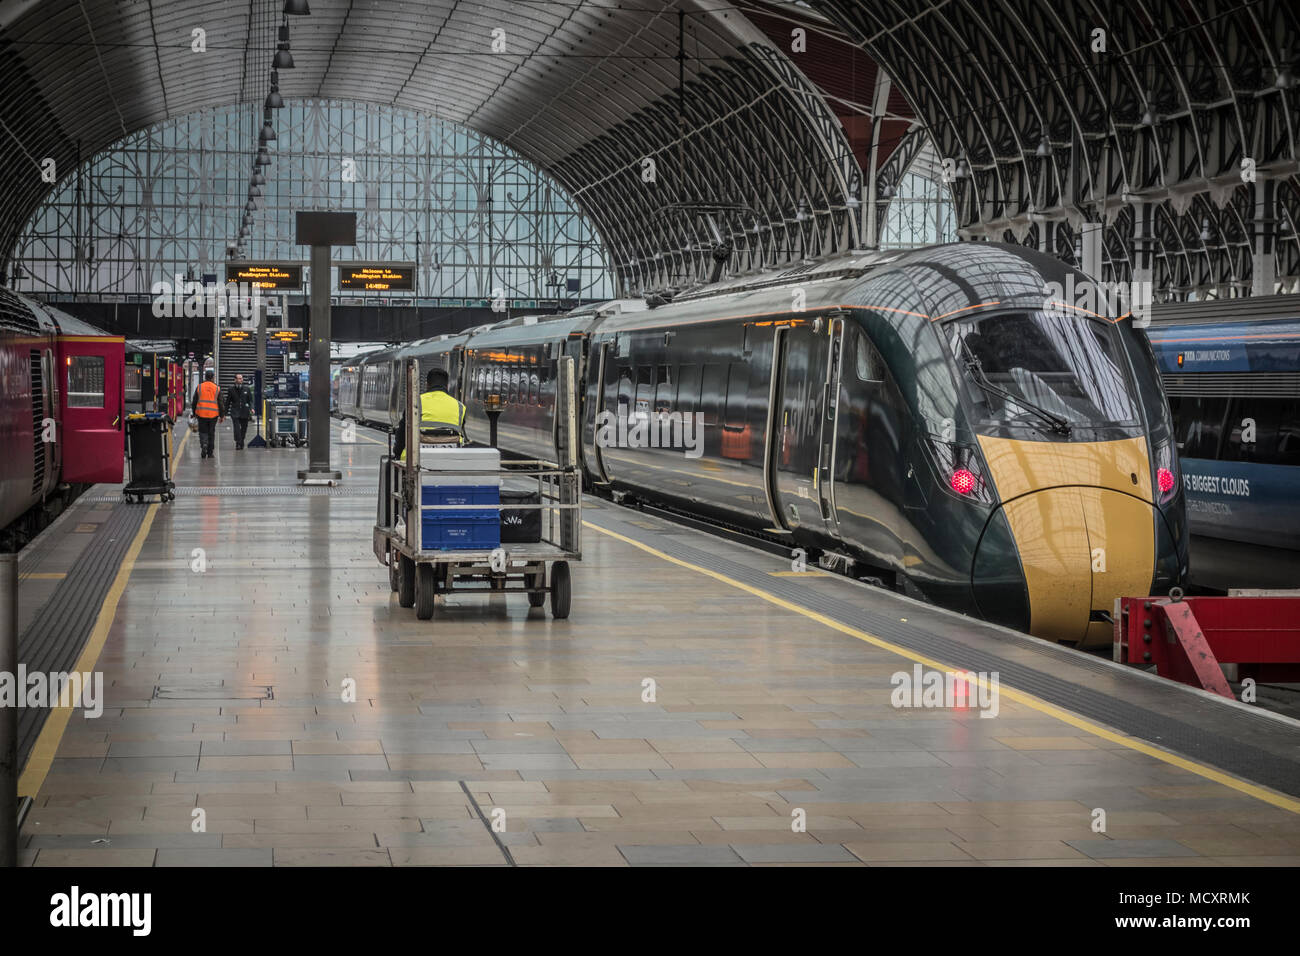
{"points": [[376, 277], [266, 275]]}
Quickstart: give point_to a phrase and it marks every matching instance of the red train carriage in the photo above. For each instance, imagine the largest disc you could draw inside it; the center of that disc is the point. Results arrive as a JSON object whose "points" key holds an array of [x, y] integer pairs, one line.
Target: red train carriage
{"points": [[61, 412]]}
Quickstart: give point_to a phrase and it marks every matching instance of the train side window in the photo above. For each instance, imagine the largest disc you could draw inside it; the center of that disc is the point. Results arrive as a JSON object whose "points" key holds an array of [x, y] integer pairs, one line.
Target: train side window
{"points": [[1276, 431], [625, 390], [712, 394], [688, 388], [867, 363], [1198, 425], [737, 393], [132, 380], [644, 389], [663, 389], [86, 381]]}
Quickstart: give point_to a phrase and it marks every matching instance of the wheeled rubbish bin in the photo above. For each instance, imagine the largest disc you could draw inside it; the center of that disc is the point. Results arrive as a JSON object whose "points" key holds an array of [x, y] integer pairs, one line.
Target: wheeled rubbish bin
{"points": [[148, 456]]}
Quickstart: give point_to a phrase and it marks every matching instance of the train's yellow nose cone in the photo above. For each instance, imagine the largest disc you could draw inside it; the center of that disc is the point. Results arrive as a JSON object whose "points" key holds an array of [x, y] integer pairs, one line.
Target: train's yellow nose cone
{"points": [[1083, 524], [1080, 549]]}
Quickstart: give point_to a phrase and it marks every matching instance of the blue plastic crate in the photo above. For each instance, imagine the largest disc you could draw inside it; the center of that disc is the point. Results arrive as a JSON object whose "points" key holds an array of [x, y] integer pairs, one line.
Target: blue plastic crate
{"points": [[469, 530], [460, 495]]}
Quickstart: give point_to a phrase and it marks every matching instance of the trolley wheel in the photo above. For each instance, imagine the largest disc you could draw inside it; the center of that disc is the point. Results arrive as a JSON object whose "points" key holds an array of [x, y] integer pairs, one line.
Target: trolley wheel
{"points": [[561, 590], [394, 571], [538, 580], [405, 581], [426, 589]]}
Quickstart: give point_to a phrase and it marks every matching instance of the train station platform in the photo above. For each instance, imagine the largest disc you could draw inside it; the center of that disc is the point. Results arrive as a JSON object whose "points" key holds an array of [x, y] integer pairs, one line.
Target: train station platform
{"points": [[703, 704]]}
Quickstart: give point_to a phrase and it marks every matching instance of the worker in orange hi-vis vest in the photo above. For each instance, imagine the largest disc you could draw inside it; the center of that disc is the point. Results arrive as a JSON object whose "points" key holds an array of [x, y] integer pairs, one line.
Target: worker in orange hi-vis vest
{"points": [[209, 408]]}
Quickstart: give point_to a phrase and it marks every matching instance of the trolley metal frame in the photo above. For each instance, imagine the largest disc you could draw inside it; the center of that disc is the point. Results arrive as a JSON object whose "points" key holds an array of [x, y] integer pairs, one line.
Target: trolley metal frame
{"points": [[418, 575], [279, 411], [160, 484]]}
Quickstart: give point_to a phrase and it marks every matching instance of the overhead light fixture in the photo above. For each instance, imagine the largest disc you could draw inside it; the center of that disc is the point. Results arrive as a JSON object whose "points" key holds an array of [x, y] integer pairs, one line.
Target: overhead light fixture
{"points": [[263, 159], [1149, 116], [250, 206], [963, 168], [887, 190], [254, 191], [267, 135], [853, 202], [1285, 80], [283, 58], [296, 8], [802, 214], [1205, 230], [1044, 148], [258, 179], [248, 219], [274, 100]]}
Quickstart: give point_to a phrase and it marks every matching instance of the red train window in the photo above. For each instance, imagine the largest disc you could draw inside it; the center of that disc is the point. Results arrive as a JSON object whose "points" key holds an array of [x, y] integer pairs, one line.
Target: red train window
{"points": [[85, 381]]}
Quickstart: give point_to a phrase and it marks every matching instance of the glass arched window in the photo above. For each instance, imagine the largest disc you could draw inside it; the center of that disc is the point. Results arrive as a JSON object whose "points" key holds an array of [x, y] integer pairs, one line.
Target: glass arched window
{"points": [[478, 220]]}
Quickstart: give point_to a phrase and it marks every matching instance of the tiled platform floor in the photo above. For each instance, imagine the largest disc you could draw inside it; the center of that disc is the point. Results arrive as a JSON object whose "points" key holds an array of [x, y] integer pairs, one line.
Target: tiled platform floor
{"points": [[758, 713]]}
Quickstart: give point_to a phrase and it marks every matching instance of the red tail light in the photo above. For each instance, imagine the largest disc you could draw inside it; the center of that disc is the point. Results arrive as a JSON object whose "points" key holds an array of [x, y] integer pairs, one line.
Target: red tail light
{"points": [[1164, 478], [962, 481]]}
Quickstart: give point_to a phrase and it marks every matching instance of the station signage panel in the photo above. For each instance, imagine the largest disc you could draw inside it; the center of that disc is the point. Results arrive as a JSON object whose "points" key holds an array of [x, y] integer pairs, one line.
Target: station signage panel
{"points": [[284, 335], [236, 335], [266, 275], [376, 277]]}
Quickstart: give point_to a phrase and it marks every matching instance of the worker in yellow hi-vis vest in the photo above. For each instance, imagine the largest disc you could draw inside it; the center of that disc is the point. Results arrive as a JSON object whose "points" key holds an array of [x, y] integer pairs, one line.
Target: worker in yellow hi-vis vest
{"points": [[439, 412]]}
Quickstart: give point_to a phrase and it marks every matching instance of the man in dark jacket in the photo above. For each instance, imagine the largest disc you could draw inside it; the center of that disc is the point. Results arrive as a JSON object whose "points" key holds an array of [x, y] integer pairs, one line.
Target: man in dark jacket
{"points": [[239, 406]]}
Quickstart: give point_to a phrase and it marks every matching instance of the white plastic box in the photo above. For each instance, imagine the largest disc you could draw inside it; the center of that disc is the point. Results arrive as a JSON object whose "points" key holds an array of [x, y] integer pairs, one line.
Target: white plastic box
{"points": [[449, 459]]}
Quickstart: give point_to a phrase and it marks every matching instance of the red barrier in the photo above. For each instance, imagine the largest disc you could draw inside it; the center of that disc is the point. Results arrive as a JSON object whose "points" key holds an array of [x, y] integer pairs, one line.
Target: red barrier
{"points": [[1187, 639]]}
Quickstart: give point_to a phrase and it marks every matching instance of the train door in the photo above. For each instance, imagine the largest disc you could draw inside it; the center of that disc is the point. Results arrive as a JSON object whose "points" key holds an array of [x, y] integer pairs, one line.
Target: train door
{"points": [[572, 347], [45, 397], [801, 427], [92, 407], [175, 401], [603, 365]]}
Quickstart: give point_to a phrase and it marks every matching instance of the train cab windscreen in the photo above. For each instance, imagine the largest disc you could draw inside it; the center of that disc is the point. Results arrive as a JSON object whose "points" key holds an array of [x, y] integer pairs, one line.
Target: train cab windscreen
{"points": [[1044, 368]]}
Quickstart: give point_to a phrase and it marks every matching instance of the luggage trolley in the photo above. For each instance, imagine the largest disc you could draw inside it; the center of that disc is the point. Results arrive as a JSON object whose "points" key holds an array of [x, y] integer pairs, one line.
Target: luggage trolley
{"points": [[438, 524], [148, 454], [284, 416]]}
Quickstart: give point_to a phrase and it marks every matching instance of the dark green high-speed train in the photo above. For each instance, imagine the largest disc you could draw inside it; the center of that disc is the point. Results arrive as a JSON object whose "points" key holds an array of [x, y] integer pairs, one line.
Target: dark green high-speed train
{"points": [[936, 418]]}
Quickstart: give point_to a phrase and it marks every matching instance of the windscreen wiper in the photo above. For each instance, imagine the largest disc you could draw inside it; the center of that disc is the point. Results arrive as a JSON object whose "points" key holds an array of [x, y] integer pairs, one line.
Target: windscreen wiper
{"points": [[1054, 421]]}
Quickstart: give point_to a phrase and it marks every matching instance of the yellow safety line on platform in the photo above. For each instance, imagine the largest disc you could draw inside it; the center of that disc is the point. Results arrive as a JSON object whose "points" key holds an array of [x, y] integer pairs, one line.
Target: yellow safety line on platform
{"points": [[1209, 773], [47, 743]]}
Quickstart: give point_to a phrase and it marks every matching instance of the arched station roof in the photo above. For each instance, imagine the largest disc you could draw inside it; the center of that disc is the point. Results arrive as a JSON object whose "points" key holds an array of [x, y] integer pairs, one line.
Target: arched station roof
{"points": [[758, 148], [588, 90], [1141, 114]]}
